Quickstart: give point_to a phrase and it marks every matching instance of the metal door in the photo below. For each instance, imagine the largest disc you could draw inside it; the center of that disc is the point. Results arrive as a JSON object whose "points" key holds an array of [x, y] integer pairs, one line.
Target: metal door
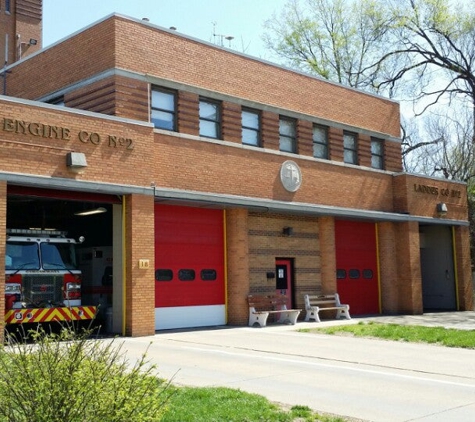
{"points": [[283, 279]]}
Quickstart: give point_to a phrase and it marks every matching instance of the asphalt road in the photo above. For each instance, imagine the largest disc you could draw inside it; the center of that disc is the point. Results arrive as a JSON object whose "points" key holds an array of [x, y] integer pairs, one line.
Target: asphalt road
{"points": [[372, 380]]}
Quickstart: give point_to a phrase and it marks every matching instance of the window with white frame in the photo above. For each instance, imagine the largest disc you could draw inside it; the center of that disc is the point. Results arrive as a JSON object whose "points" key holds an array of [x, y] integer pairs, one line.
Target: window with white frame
{"points": [[163, 108], [210, 118], [377, 153], [320, 141], [251, 127], [287, 135], [350, 153]]}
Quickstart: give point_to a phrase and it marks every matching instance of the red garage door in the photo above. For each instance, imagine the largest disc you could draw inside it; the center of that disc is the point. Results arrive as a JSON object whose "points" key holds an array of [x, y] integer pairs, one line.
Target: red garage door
{"points": [[189, 267], [356, 262]]}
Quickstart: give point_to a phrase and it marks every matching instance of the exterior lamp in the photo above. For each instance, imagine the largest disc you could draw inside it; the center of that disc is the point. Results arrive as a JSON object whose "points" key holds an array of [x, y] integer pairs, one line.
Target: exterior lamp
{"points": [[76, 161], [441, 209]]}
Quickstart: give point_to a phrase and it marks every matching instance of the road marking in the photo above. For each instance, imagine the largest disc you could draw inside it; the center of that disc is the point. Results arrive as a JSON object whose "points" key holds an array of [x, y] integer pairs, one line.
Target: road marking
{"points": [[325, 365]]}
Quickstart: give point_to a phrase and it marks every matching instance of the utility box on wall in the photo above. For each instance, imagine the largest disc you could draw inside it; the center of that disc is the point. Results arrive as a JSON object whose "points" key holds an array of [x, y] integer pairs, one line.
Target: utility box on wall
{"points": [[96, 266]]}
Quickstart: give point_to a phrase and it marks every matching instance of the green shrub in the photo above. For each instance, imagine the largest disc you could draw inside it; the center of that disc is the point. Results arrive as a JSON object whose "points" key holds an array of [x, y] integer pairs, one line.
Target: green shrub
{"points": [[71, 377]]}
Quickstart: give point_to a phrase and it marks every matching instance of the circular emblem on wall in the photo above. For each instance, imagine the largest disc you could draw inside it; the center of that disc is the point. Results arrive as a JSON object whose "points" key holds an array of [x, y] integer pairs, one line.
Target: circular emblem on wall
{"points": [[290, 176]]}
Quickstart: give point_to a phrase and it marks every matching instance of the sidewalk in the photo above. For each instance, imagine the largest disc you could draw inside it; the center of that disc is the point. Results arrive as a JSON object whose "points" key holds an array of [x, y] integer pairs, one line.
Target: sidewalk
{"points": [[458, 320]]}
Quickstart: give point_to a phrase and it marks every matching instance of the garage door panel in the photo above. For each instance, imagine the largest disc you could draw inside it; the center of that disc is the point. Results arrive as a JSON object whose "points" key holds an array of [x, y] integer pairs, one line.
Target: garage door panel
{"points": [[356, 261], [189, 246]]}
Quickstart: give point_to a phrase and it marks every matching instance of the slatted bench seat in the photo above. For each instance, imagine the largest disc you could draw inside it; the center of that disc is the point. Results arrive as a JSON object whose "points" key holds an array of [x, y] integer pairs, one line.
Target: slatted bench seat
{"points": [[261, 306], [317, 303]]}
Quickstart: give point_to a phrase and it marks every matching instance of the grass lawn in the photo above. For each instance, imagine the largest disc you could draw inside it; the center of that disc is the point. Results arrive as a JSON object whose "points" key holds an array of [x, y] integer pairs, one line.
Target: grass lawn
{"points": [[219, 404], [449, 337]]}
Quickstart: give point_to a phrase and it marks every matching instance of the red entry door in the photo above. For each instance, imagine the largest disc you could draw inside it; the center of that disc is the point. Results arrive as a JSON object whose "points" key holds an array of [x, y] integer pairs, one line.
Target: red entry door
{"points": [[283, 279]]}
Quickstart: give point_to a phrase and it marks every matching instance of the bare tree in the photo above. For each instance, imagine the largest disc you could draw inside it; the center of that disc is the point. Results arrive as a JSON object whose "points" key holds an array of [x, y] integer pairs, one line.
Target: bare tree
{"points": [[434, 44]]}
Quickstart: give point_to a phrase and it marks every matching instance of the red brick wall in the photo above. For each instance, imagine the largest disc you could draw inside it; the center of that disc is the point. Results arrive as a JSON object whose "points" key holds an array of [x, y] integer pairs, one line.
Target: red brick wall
{"points": [[463, 268], [3, 231], [86, 54], [119, 42], [187, 164], [237, 251], [419, 196], [392, 156], [388, 267], [242, 77], [116, 95], [107, 162], [231, 120], [140, 283], [409, 282]]}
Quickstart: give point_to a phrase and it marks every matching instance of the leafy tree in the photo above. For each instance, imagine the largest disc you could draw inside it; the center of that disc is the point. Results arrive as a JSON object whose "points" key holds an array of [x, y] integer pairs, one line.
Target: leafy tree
{"points": [[318, 37]]}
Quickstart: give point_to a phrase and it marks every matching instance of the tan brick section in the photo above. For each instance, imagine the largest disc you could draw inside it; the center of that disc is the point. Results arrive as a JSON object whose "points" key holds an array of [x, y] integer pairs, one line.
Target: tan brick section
{"points": [[267, 242], [326, 229], [140, 283]]}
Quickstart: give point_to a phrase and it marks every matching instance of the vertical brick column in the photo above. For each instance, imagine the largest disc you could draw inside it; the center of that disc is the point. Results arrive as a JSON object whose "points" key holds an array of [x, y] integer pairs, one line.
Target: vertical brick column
{"points": [[270, 130], [407, 256], [463, 266], [305, 138], [188, 113], [388, 267], [140, 282], [392, 156], [364, 150], [326, 231], [231, 130], [335, 144], [3, 228], [237, 242]]}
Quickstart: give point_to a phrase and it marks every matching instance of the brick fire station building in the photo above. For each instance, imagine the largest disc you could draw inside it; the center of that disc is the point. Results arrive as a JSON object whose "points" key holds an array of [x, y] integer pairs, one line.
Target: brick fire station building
{"points": [[221, 175]]}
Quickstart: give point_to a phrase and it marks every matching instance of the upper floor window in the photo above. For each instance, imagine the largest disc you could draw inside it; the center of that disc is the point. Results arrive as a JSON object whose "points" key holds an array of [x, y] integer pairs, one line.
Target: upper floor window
{"points": [[320, 141], [377, 153], [7, 6], [251, 127], [163, 109], [287, 135], [350, 154], [210, 118]]}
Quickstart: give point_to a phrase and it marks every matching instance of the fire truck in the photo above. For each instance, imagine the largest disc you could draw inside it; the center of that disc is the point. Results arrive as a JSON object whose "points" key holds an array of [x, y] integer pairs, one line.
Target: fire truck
{"points": [[42, 282]]}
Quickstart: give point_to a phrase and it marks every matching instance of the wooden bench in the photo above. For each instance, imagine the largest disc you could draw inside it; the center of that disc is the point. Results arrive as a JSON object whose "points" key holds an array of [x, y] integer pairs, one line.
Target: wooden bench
{"points": [[317, 303], [260, 307]]}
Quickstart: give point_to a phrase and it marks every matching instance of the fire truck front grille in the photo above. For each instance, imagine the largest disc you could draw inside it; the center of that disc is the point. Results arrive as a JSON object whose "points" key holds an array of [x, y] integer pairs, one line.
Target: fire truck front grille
{"points": [[42, 289]]}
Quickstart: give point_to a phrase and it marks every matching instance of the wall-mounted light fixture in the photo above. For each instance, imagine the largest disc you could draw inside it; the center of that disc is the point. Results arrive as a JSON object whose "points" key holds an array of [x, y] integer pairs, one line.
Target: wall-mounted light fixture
{"points": [[288, 231], [33, 41], [76, 161], [441, 209], [92, 211]]}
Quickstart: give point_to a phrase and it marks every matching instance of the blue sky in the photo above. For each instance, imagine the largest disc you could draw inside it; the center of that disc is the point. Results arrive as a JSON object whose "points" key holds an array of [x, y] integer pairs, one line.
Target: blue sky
{"points": [[242, 19]]}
